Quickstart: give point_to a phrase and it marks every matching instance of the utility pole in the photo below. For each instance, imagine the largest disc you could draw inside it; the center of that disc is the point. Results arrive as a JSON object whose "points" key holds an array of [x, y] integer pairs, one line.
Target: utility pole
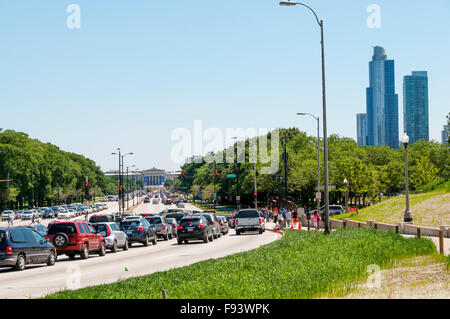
{"points": [[238, 199], [285, 158]]}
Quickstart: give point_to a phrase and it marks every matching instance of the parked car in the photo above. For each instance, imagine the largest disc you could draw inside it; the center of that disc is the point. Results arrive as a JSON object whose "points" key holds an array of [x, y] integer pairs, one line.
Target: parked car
{"points": [[139, 230], [64, 214], [20, 246], [155, 200], [114, 237], [102, 219], [249, 219], [333, 210], [223, 224], [180, 204], [162, 227], [76, 237], [212, 220], [6, 215], [174, 224], [194, 227], [27, 215]]}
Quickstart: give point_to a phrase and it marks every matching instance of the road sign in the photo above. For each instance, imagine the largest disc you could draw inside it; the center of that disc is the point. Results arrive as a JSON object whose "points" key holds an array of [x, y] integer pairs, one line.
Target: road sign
{"points": [[238, 197], [318, 195], [231, 175]]}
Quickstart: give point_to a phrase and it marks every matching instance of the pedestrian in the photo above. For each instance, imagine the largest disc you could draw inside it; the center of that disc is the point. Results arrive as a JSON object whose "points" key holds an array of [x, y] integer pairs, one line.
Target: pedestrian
{"points": [[316, 220], [308, 216], [294, 216], [288, 218], [275, 217], [11, 220], [32, 219]]}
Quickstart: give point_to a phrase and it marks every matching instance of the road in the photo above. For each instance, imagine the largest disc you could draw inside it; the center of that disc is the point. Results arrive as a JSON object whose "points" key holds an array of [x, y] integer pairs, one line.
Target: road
{"points": [[38, 280]]}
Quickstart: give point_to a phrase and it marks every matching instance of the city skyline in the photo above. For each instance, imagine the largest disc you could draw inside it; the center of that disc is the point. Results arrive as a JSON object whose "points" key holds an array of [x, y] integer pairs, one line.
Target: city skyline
{"points": [[140, 70]]}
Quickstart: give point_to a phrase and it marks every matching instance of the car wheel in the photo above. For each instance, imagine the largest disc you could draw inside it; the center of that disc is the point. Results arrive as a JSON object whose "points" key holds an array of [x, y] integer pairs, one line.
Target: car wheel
{"points": [[102, 251], [166, 237], [20, 264], [51, 258], [261, 231], [170, 236], [125, 247], [179, 241], [129, 245], [155, 240], [60, 240], [219, 234], [145, 242], [211, 238], [186, 242], [216, 236], [114, 248], [205, 238], [84, 254], [238, 232]]}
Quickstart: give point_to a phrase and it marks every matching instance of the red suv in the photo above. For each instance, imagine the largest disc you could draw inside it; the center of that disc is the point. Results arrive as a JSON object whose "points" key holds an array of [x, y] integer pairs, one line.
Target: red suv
{"points": [[75, 237]]}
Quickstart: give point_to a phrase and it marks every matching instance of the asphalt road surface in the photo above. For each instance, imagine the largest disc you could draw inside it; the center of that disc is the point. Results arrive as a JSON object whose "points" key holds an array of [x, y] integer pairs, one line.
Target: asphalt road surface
{"points": [[39, 280]]}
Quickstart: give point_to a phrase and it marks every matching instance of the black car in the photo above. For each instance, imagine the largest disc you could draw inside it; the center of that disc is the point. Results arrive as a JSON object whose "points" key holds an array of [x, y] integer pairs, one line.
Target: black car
{"points": [[214, 222], [20, 246], [49, 214], [139, 230], [194, 227]]}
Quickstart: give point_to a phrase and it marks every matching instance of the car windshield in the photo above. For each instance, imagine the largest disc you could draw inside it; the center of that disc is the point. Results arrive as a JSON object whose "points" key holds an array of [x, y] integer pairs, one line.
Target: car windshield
{"points": [[101, 228], [190, 220], [208, 218], [2, 239], [154, 220], [248, 214], [176, 216], [130, 223], [67, 228], [97, 219]]}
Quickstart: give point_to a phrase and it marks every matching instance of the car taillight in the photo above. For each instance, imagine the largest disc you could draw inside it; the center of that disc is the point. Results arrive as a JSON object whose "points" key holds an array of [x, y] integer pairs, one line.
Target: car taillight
{"points": [[179, 227], [9, 250], [221, 223], [236, 222], [201, 226], [213, 223], [164, 227], [108, 231], [260, 221], [140, 229]]}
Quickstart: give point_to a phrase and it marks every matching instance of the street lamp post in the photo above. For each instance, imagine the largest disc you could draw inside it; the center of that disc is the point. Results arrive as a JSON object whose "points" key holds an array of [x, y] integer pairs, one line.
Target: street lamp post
{"points": [[318, 197], [238, 197], [324, 106], [407, 218], [346, 194]]}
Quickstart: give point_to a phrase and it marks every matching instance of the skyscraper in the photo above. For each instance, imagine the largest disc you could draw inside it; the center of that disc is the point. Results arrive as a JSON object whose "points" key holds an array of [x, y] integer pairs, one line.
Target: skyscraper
{"points": [[415, 106], [382, 102], [361, 126], [445, 134]]}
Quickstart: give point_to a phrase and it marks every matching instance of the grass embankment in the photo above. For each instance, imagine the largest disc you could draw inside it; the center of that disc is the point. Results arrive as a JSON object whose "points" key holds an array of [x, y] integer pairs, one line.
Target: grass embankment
{"points": [[428, 209], [206, 207], [300, 265]]}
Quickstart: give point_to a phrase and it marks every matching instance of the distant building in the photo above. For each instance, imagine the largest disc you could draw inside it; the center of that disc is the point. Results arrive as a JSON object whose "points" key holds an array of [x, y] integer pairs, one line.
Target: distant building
{"points": [[361, 127], [193, 159], [382, 102], [445, 134], [415, 106]]}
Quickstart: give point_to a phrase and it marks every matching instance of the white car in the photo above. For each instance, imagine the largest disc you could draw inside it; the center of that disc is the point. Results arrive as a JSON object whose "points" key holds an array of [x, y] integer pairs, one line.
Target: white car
{"points": [[64, 214]]}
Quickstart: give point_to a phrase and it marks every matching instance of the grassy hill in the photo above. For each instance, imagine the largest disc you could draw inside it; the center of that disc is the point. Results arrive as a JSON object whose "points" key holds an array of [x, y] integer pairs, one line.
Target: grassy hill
{"points": [[428, 209]]}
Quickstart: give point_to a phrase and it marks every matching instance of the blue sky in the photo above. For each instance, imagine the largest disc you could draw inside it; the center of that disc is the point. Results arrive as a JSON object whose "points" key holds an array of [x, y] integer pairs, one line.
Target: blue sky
{"points": [[136, 70]]}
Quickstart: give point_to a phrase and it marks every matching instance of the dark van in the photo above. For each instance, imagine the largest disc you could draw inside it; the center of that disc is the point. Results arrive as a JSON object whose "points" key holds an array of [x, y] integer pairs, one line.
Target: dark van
{"points": [[20, 246]]}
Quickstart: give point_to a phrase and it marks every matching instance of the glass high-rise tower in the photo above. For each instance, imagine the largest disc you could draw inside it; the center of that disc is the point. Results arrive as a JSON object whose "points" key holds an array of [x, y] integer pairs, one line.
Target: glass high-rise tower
{"points": [[361, 127], [382, 102], [415, 106]]}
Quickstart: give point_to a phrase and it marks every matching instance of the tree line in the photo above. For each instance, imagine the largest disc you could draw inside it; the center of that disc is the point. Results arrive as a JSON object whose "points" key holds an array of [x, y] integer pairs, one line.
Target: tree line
{"points": [[371, 172], [41, 174]]}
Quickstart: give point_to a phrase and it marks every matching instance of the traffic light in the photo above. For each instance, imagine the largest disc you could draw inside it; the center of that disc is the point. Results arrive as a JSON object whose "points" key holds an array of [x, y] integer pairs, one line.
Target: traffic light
{"points": [[217, 174], [86, 192], [255, 194], [182, 176]]}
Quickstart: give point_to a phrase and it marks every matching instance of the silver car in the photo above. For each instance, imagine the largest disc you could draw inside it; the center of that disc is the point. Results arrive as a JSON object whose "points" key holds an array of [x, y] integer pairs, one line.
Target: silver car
{"points": [[162, 227], [114, 237]]}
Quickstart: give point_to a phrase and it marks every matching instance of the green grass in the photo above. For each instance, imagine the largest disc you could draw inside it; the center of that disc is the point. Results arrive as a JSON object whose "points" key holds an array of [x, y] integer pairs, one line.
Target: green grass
{"points": [[300, 265], [428, 209], [440, 184], [206, 207]]}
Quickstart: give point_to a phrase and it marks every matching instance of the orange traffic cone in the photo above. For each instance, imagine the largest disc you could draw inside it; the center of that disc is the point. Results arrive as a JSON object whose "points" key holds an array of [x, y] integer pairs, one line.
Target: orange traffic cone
{"points": [[276, 230], [292, 226], [299, 225]]}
